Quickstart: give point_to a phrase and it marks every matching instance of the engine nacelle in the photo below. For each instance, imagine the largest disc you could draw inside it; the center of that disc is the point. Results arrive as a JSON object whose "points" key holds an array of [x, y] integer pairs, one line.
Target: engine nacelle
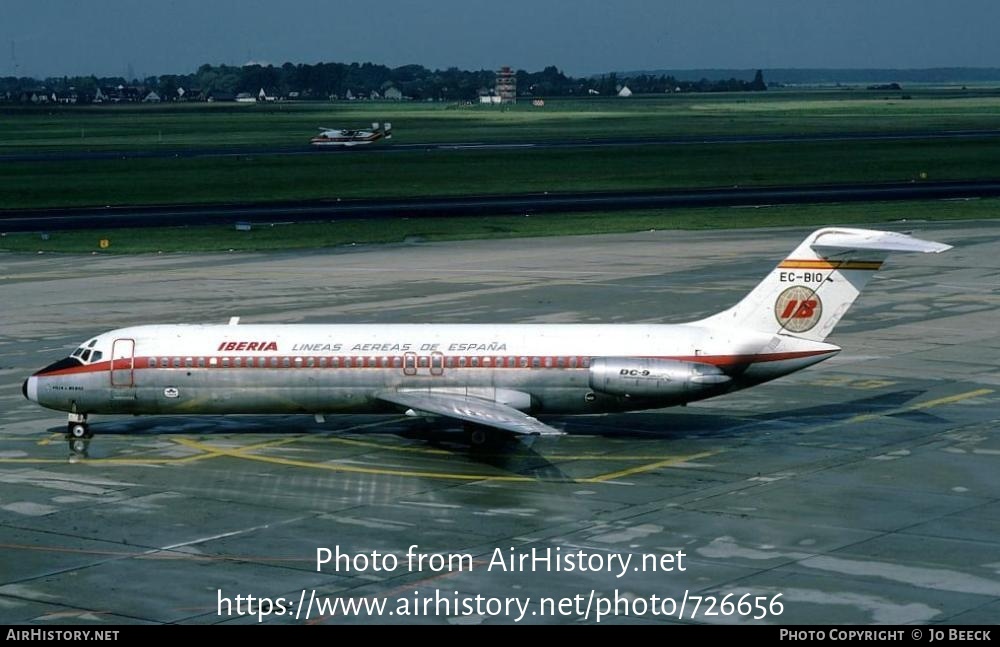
{"points": [[653, 378]]}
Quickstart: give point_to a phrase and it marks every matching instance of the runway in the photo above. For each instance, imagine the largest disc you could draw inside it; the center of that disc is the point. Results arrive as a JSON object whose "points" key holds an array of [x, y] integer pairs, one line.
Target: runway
{"points": [[478, 205], [458, 147], [863, 490]]}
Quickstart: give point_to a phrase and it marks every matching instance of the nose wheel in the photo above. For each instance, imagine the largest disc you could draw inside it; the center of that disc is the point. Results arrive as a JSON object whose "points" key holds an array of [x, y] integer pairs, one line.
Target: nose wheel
{"points": [[79, 430], [77, 426]]}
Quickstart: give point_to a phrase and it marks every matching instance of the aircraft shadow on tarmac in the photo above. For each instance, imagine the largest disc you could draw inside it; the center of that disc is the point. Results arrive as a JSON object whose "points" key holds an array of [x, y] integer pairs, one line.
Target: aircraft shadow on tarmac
{"points": [[519, 456], [669, 423]]}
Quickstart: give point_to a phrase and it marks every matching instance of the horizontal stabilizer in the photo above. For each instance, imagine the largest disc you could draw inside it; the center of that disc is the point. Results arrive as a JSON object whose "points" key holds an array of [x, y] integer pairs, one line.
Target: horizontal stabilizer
{"points": [[470, 409], [872, 240]]}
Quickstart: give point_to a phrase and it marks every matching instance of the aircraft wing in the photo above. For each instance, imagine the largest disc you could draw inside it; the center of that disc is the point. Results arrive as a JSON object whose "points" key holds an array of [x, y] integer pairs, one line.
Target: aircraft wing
{"points": [[470, 409]]}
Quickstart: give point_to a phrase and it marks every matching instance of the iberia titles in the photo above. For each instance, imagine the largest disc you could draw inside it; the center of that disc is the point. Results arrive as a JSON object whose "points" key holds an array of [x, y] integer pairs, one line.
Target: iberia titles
{"points": [[392, 347], [248, 345]]}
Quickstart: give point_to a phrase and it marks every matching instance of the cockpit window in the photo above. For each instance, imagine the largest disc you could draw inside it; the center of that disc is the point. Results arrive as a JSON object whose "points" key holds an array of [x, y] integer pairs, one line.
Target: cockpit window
{"points": [[86, 355], [96, 356], [77, 352], [91, 344]]}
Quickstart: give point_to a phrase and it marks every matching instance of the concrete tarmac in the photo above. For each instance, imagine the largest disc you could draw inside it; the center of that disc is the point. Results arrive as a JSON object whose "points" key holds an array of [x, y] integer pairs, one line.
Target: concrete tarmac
{"points": [[862, 490]]}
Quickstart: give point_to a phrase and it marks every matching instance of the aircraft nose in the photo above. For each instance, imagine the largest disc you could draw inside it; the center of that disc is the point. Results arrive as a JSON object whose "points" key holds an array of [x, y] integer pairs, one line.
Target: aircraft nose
{"points": [[30, 388]]}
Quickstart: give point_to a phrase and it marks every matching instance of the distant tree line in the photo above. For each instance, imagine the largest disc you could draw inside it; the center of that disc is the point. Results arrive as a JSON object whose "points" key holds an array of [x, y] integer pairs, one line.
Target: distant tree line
{"points": [[658, 84], [364, 80]]}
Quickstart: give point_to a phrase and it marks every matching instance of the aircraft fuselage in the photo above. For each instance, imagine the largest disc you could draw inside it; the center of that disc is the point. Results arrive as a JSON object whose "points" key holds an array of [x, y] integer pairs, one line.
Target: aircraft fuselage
{"points": [[583, 368]]}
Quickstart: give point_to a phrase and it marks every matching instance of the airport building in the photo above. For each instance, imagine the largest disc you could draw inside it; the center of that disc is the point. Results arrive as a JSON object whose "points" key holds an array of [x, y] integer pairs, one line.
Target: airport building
{"points": [[506, 85]]}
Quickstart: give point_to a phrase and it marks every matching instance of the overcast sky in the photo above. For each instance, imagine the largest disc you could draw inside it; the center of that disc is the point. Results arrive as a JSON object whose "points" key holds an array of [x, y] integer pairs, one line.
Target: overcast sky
{"points": [[105, 37]]}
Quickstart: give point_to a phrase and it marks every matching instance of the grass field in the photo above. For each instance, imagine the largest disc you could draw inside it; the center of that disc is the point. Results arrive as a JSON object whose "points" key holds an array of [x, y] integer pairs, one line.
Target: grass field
{"points": [[367, 232], [345, 174]]}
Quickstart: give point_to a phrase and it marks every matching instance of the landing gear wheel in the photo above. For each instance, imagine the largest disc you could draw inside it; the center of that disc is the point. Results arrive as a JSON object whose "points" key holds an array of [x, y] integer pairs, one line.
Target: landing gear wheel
{"points": [[79, 430], [478, 437], [486, 439]]}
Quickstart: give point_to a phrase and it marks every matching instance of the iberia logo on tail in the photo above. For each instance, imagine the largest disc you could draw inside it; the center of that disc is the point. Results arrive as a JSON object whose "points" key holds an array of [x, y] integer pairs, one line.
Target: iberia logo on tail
{"points": [[798, 309]]}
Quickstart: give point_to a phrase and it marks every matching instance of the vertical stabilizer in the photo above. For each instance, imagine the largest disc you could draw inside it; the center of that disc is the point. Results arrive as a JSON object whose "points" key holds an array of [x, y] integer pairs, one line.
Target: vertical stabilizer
{"points": [[808, 293]]}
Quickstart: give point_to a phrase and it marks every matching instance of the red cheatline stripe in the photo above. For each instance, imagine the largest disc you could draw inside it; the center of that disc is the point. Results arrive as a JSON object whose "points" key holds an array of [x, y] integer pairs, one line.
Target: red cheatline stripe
{"points": [[829, 265], [367, 361]]}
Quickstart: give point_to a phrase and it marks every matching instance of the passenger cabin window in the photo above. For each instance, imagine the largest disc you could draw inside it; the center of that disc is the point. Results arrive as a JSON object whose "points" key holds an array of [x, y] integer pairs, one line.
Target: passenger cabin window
{"points": [[475, 362], [189, 362], [237, 362], [487, 361], [347, 362], [225, 362], [423, 361], [152, 362], [585, 362], [397, 362], [298, 362], [461, 362], [201, 362], [286, 362], [335, 362], [561, 362], [536, 362], [449, 362], [213, 361], [274, 362], [548, 362], [572, 362], [177, 362], [524, 362]]}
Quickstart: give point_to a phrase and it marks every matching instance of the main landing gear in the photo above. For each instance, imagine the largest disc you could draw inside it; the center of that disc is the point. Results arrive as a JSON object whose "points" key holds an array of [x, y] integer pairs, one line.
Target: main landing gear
{"points": [[77, 427], [482, 438], [478, 437]]}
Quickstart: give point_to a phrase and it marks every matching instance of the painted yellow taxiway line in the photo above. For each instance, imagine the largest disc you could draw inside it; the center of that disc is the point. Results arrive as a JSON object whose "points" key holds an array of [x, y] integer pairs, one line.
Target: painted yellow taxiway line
{"points": [[639, 469]]}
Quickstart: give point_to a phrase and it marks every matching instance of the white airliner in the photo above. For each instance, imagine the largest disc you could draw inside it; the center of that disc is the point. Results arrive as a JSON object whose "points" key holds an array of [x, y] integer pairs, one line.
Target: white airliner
{"points": [[345, 137], [492, 378]]}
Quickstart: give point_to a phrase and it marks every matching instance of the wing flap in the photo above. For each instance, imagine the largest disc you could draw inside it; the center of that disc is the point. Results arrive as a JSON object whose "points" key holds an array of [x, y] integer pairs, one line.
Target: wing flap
{"points": [[470, 409]]}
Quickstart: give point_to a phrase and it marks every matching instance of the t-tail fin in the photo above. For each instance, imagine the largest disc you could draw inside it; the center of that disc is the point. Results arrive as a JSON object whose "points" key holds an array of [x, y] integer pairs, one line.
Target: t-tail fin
{"points": [[808, 292]]}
